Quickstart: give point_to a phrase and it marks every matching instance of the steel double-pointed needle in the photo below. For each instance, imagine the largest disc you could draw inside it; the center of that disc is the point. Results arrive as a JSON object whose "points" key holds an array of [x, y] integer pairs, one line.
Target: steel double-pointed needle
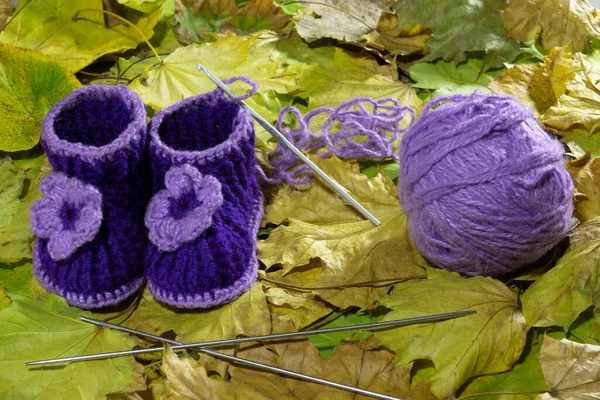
{"points": [[251, 363], [283, 140], [226, 342]]}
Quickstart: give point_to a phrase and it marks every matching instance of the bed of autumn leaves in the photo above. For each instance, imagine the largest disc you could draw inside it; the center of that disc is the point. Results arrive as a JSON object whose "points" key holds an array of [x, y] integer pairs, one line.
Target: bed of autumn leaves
{"points": [[536, 334]]}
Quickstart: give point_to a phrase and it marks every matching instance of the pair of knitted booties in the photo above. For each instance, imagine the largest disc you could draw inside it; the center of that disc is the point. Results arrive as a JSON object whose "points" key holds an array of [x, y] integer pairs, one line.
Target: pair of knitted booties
{"points": [[188, 178]]}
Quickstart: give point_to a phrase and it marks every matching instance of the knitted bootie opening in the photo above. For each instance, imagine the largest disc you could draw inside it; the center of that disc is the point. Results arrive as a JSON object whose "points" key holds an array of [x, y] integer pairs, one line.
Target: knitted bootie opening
{"points": [[94, 137], [213, 135], [104, 113], [203, 124]]}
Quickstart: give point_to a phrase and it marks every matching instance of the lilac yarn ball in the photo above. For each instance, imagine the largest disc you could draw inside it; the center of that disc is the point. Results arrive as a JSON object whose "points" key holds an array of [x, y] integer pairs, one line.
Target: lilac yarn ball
{"points": [[485, 188]]}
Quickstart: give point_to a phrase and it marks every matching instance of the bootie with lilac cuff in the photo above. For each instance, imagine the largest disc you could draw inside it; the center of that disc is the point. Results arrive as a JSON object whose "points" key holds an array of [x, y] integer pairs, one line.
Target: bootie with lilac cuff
{"points": [[89, 222], [207, 205]]}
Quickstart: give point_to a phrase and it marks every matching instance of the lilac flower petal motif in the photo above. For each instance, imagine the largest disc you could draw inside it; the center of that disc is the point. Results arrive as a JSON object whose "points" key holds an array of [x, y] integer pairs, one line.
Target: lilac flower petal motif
{"points": [[181, 212], [69, 215]]}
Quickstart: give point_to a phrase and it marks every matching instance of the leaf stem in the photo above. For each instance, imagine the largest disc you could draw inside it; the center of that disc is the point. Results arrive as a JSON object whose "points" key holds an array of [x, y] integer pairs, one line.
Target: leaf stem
{"points": [[112, 14], [375, 283]]}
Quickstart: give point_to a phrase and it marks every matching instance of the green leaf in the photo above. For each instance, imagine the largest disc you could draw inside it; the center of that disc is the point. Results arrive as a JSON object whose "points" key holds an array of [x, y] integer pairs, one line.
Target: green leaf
{"points": [[449, 77], [488, 342], [48, 28], [372, 168], [30, 84], [18, 191], [195, 18], [580, 142], [460, 26], [523, 382], [586, 328], [34, 329], [567, 290], [144, 6], [326, 342]]}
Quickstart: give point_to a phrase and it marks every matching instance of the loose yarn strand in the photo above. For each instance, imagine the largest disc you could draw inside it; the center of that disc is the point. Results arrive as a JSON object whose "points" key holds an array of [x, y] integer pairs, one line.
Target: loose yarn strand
{"points": [[362, 128]]}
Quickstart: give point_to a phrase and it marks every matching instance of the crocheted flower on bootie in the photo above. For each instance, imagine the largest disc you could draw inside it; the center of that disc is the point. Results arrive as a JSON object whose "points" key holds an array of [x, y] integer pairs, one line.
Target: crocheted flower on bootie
{"points": [[207, 206], [182, 211], [90, 222], [69, 215]]}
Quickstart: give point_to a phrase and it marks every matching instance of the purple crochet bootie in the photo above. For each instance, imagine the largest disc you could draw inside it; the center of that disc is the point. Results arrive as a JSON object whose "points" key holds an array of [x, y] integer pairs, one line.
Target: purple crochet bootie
{"points": [[89, 222], [207, 205]]}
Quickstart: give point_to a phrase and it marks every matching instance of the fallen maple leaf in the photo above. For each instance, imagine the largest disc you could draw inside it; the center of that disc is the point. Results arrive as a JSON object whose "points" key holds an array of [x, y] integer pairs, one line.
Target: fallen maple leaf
{"points": [[579, 106], [539, 85], [19, 188], [360, 261], [488, 342], [338, 19], [48, 28], [390, 38], [571, 370], [194, 18], [558, 22], [523, 382], [6, 9], [289, 301], [448, 77], [177, 78], [366, 366], [248, 315], [584, 171], [30, 85], [564, 292], [34, 328]]}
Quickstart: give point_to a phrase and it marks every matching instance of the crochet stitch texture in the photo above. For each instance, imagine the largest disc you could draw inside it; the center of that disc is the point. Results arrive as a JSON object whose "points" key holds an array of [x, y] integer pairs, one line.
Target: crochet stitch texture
{"points": [[97, 135], [213, 135]]}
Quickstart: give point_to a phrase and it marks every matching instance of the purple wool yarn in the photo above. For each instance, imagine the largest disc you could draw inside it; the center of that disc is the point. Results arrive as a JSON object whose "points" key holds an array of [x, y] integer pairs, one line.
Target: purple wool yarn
{"points": [[485, 188], [207, 204], [90, 222]]}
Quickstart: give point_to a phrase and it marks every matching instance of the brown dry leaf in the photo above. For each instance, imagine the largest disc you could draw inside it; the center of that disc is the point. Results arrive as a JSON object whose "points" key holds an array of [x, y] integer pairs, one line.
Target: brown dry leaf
{"points": [[586, 232], [288, 302], [539, 85], [354, 253], [397, 41], [579, 106], [584, 172], [248, 315], [362, 364], [339, 19], [558, 22], [6, 9], [571, 370], [360, 262]]}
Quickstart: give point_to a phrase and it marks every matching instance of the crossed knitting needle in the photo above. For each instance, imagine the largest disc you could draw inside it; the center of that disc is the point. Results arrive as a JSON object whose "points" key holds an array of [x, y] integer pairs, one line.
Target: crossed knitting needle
{"points": [[287, 144], [201, 347]]}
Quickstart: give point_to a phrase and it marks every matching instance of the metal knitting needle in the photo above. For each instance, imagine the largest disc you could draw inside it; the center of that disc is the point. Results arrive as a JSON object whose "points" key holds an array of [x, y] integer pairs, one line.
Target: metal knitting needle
{"points": [[225, 342], [258, 365], [287, 144]]}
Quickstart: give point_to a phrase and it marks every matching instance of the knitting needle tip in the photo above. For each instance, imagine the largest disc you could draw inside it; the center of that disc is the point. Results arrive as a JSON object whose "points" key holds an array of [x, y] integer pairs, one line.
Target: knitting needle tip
{"points": [[287, 144]]}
